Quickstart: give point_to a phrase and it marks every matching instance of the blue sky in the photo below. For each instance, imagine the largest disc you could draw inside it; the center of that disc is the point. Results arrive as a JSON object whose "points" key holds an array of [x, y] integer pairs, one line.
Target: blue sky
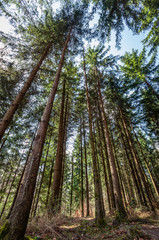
{"points": [[128, 42]]}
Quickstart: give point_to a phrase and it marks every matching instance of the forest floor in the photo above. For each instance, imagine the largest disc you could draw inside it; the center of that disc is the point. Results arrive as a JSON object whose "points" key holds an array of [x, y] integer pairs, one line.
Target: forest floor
{"points": [[65, 228]]}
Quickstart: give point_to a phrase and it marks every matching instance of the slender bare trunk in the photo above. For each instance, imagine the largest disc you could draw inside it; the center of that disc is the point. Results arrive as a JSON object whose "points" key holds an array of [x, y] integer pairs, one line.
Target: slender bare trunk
{"points": [[64, 147], [54, 205], [50, 181], [85, 155], [35, 192], [117, 190], [82, 199], [5, 183], [145, 184], [22, 174], [20, 213], [99, 215], [104, 168], [17, 101], [98, 170], [146, 164], [119, 171], [42, 177], [130, 187], [5, 138], [134, 171], [71, 194], [12, 182], [110, 182]]}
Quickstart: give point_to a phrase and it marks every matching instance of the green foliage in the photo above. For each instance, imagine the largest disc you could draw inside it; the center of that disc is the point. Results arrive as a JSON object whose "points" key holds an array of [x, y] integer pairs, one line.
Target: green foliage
{"points": [[113, 15], [35, 25], [141, 78], [149, 21]]}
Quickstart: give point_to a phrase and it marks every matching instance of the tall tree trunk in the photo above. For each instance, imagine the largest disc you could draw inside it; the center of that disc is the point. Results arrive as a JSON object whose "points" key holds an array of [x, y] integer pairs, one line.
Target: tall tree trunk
{"points": [[98, 169], [20, 213], [145, 184], [35, 192], [130, 187], [54, 206], [99, 215], [104, 168], [50, 181], [12, 182], [22, 174], [4, 177], [17, 101], [85, 155], [6, 182], [42, 177], [110, 182], [119, 171], [138, 186], [71, 194], [5, 138], [146, 181], [120, 210], [66, 116], [82, 199], [146, 164]]}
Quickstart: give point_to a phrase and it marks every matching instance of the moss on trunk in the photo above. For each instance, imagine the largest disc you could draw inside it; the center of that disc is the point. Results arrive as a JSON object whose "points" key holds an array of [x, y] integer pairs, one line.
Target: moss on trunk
{"points": [[4, 230]]}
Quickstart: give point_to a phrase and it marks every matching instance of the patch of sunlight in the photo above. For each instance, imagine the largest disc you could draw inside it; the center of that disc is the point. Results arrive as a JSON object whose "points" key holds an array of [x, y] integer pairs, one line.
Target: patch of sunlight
{"points": [[88, 218], [70, 227]]}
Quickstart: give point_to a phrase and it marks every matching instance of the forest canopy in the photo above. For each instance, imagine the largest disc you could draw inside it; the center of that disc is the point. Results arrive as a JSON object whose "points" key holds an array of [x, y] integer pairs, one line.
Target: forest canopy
{"points": [[78, 125]]}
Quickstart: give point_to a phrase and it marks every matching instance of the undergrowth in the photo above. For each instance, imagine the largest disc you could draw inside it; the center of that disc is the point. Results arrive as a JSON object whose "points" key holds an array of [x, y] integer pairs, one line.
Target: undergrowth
{"points": [[62, 227]]}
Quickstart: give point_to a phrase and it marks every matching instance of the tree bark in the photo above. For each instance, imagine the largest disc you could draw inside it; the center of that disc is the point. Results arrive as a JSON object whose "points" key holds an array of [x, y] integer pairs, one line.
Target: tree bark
{"points": [[98, 170], [5, 182], [66, 116], [82, 199], [110, 182], [120, 210], [20, 213], [12, 182], [17, 101], [85, 155], [104, 168], [41, 181], [20, 181], [54, 206], [130, 186], [146, 163], [145, 184], [71, 194], [134, 172], [5, 138], [120, 176], [50, 180], [99, 215]]}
